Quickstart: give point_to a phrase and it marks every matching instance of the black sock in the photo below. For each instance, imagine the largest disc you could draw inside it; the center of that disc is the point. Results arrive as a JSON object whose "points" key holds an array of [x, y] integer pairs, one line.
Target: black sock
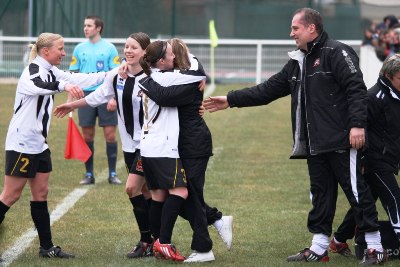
{"points": [[41, 218], [149, 200], [155, 218], [89, 162], [3, 210], [141, 212], [170, 213], [112, 150]]}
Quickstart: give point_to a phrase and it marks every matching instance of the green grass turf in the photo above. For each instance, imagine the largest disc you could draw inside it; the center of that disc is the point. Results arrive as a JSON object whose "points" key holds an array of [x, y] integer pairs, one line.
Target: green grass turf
{"points": [[250, 177]]}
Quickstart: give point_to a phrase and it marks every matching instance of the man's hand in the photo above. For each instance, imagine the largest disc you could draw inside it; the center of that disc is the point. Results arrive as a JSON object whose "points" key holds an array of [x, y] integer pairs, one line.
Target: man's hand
{"points": [[357, 137], [74, 91], [215, 103], [112, 105], [123, 69]]}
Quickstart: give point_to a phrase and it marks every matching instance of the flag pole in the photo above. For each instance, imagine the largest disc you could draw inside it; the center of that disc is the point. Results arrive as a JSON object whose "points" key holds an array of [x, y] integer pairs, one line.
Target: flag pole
{"points": [[213, 44]]}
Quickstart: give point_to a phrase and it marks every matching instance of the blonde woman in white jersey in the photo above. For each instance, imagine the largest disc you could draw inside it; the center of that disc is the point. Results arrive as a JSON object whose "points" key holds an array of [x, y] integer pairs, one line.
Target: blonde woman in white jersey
{"points": [[27, 152]]}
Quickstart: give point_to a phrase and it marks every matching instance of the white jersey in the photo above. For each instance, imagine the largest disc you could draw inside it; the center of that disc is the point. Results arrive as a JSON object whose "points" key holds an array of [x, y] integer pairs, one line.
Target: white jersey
{"points": [[160, 131], [130, 113], [33, 105]]}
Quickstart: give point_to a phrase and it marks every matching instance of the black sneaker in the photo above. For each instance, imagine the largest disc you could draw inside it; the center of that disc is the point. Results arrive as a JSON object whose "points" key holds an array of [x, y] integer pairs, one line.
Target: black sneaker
{"points": [[309, 255], [89, 179], [114, 180], [54, 252], [373, 257], [142, 249]]}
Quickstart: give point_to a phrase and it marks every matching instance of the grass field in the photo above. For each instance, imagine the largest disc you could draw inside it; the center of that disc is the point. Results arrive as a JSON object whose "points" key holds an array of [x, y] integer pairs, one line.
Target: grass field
{"points": [[250, 177]]}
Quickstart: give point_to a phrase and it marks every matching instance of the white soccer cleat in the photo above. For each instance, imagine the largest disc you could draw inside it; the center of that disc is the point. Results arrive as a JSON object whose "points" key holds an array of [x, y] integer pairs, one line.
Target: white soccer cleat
{"points": [[200, 256], [225, 231]]}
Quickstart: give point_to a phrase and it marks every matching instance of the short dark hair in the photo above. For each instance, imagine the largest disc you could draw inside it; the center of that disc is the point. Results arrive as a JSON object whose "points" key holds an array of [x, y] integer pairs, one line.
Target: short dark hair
{"points": [[311, 16], [98, 22]]}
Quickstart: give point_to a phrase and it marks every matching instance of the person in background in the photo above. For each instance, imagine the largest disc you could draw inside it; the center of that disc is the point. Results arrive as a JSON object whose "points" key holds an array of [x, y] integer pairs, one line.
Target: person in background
{"points": [[329, 116], [96, 55], [382, 158], [28, 157]]}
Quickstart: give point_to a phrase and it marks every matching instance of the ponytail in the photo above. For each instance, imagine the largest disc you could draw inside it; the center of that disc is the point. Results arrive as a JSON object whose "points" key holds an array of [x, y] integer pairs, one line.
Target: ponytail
{"points": [[33, 53], [143, 61], [45, 39]]}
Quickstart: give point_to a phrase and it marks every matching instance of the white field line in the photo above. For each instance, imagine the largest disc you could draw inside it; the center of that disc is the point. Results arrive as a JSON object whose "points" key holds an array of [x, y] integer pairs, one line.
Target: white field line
{"points": [[25, 240]]}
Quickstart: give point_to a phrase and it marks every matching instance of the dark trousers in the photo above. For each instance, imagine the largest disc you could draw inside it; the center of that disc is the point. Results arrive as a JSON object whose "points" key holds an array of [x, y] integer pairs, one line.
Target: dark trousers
{"points": [[195, 210], [326, 171], [383, 185]]}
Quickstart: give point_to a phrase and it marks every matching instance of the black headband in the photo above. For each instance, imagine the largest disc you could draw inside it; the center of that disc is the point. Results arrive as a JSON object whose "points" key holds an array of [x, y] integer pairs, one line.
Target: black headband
{"points": [[163, 50]]}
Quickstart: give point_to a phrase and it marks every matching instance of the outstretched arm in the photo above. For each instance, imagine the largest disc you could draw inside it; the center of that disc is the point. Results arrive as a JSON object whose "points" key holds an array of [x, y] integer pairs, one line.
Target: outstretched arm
{"points": [[62, 110]]}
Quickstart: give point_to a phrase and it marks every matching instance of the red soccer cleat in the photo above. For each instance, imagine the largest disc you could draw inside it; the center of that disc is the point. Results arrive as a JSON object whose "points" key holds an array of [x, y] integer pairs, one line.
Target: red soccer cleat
{"points": [[168, 251]]}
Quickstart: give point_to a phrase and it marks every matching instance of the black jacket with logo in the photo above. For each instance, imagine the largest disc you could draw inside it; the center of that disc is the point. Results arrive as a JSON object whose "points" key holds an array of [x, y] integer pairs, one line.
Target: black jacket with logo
{"points": [[383, 153], [326, 103]]}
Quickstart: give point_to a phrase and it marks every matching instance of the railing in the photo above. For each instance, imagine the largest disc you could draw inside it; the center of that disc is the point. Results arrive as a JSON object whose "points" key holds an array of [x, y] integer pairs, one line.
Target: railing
{"points": [[235, 60]]}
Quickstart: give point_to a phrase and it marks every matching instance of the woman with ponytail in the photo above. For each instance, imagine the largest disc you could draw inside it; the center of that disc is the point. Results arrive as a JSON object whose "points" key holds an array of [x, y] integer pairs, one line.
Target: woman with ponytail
{"points": [[27, 152], [130, 119], [164, 172]]}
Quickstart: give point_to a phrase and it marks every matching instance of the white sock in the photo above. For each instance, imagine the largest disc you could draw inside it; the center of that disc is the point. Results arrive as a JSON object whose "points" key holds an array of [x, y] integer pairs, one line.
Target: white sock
{"points": [[320, 243], [373, 240], [218, 224]]}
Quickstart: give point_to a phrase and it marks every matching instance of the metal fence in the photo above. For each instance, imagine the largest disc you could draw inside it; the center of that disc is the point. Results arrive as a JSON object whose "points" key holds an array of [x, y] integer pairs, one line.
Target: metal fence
{"points": [[236, 61]]}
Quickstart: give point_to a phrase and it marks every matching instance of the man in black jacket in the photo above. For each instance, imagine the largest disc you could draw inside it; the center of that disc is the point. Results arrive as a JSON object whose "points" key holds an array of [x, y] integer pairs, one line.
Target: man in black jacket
{"points": [[382, 158], [329, 115]]}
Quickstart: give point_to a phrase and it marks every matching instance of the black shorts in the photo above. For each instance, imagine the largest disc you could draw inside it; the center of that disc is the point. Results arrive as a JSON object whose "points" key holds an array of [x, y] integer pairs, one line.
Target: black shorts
{"points": [[87, 115], [133, 162], [164, 173], [27, 165]]}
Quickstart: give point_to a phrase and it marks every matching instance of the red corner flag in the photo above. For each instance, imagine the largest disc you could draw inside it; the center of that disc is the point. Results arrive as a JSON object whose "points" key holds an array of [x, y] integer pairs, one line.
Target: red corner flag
{"points": [[76, 147]]}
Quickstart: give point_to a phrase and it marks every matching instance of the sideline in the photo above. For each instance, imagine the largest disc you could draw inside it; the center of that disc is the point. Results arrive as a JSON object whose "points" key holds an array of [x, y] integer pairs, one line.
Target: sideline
{"points": [[25, 240]]}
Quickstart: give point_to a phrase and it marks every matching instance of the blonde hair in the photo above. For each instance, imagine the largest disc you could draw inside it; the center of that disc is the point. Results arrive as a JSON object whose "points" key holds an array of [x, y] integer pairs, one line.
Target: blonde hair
{"points": [[45, 39], [181, 52]]}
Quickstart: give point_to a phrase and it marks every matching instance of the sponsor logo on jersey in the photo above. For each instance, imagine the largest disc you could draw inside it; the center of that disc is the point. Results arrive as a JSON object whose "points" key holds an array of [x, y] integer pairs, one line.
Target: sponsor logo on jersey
{"points": [[100, 65], [120, 83], [116, 60], [73, 61]]}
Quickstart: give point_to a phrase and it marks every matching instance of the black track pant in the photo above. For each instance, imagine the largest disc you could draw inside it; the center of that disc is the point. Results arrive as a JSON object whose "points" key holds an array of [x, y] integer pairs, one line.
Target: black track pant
{"points": [[326, 171], [383, 185], [195, 210]]}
